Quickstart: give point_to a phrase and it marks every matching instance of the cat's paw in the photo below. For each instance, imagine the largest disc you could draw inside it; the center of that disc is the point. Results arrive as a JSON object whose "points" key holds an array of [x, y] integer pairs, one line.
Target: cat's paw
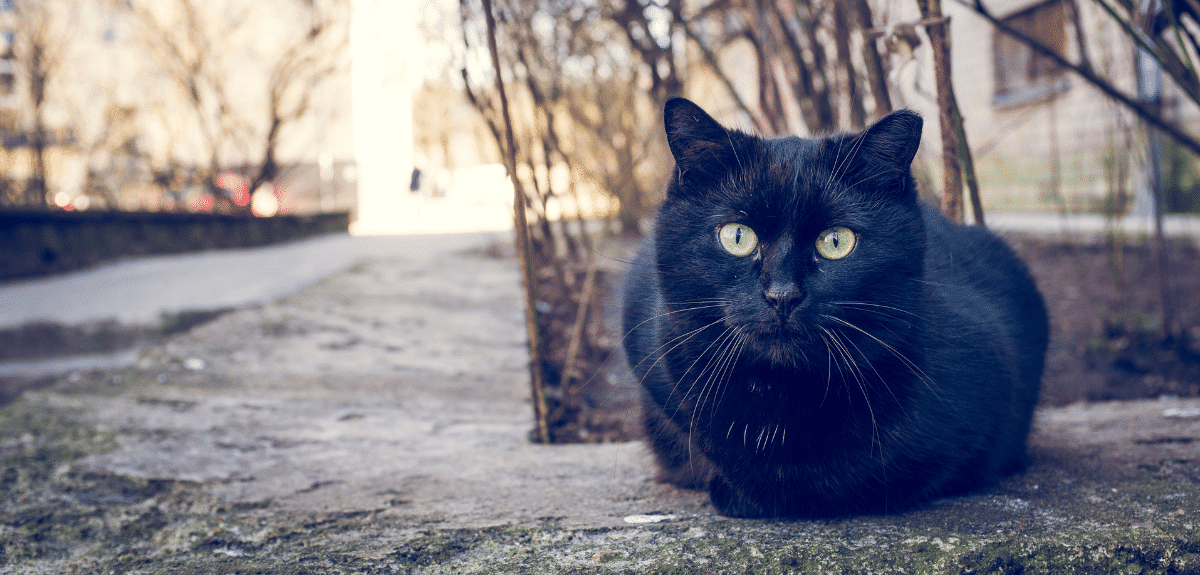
{"points": [[729, 502]]}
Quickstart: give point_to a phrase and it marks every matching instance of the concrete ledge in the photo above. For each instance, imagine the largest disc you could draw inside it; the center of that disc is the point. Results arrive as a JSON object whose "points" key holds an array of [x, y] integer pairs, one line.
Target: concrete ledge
{"points": [[376, 422]]}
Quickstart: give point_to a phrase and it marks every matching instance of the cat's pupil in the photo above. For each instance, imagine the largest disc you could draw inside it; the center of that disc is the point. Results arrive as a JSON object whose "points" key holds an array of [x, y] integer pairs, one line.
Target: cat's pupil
{"points": [[833, 237], [737, 238]]}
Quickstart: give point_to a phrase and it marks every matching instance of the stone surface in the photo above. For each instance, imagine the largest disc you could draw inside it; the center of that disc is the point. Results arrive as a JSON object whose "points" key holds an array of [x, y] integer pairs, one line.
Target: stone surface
{"points": [[376, 421]]}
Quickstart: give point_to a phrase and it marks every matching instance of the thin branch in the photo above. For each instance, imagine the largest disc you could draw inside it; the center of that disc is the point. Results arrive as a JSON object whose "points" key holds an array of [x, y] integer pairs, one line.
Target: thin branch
{"points": [[1178, 27], [1072, 7], [870, 48], [523, 246], [814, 106], [761, 123], [1152, 47], [967, 160], [936, 27], [585, 302]]}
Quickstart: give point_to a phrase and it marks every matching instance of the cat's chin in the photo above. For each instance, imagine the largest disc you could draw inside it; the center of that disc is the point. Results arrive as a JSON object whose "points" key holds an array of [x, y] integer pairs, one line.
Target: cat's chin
{"points": [[778, 344], [779, 351]]}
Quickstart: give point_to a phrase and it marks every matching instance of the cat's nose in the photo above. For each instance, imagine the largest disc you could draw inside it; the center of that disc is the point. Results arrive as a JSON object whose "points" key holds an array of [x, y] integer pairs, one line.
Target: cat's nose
{"points": [[783, 299]]}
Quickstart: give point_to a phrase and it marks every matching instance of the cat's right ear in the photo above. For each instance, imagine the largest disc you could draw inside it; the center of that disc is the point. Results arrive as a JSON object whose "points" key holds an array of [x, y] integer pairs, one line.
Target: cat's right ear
{"points": [[703, 149]]}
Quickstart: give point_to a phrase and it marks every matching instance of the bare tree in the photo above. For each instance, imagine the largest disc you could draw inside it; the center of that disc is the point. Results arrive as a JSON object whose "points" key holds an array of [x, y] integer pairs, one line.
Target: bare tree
{"points": [[214, 62], [570, 104], [116, 160], [40, 40], [802, 55], [188, 44], [649, 28], [310, 58]]}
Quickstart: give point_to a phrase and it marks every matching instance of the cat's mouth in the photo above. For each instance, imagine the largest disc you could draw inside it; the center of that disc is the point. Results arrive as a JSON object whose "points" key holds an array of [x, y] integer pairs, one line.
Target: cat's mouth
{"points": [[779, 343]]}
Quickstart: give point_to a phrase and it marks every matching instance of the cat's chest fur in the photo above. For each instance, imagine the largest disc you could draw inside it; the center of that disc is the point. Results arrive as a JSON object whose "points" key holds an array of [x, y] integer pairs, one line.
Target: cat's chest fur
{"points": [[812, 340]]}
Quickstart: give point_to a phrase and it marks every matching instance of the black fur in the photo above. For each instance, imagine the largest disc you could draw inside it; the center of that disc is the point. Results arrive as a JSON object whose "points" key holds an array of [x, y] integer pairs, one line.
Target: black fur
{"points": [[794, 385]]}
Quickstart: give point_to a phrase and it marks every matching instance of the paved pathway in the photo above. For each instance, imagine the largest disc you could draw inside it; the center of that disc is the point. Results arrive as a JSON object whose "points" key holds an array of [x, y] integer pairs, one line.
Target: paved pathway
{"points": [[140, 290]]}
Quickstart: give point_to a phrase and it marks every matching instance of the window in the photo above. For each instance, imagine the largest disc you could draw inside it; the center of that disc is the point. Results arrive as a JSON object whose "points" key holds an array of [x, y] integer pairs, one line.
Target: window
{"points": [[1023, 75]]}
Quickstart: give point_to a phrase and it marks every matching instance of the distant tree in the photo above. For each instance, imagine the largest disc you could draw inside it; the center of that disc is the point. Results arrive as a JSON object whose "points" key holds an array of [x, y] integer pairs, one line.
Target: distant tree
{"points": [[190, 41], [40, 39], [308, 58], [216, 56]]}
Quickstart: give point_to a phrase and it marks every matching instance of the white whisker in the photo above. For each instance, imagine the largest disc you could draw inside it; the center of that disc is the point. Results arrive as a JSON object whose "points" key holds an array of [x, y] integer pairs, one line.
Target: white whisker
{"points": [[916, 370]]}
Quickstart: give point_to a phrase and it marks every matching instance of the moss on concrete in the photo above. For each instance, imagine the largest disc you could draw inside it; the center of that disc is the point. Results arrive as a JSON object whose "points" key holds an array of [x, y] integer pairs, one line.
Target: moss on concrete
{"points": [[55, 517]]}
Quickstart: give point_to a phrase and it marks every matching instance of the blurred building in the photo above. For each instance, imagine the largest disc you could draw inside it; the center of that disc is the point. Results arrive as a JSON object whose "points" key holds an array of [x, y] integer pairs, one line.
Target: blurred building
{"points": [[409, 183], [1045, 139]]}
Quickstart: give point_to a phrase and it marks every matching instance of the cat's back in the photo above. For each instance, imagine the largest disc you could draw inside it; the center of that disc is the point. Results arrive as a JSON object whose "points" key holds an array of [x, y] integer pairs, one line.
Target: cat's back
{"points": [[985, 287], [980, 262]]}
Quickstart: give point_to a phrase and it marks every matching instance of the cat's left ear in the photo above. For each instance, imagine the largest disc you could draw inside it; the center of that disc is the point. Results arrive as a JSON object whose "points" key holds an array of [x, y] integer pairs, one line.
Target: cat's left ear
{"points": [[881, 155], [703, 149], [893, 140]]}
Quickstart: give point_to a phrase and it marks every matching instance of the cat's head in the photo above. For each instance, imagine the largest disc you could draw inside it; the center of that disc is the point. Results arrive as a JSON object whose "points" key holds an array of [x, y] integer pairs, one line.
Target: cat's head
{"points": [[794, 244]]}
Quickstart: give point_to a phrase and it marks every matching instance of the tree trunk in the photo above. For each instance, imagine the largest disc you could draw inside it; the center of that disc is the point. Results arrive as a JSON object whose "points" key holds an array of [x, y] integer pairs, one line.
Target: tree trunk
{"points": [[937, 26], [537, 375], [841, 35], [875, 72], [35, 194]]}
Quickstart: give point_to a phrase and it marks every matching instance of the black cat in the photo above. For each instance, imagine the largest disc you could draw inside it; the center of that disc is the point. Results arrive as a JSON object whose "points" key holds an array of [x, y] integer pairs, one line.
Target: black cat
{"points": [[813, 340]]}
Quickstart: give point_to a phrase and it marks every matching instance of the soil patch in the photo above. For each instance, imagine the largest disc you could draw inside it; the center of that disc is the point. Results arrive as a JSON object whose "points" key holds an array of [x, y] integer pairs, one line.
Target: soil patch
{"points": [[1105, 314]]}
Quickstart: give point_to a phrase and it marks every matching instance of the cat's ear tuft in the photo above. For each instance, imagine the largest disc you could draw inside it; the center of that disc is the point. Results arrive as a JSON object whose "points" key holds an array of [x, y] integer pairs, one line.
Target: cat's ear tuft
{"points": [[701, 146], [894, 139]]}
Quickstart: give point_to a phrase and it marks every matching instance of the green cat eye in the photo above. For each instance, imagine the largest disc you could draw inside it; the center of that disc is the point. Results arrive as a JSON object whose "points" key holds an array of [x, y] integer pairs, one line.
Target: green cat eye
{"points": [[835, 243], [737, 239]]}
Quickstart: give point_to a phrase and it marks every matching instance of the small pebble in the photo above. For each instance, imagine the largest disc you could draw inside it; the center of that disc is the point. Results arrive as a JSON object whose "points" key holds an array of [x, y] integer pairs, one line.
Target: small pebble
{"points": [[1182, 412], [643, 519], [194, 363]]}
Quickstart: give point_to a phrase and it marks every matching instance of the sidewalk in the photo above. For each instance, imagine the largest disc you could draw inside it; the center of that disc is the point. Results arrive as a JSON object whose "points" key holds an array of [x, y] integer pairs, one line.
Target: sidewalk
{"points": [[141, 290], [131, 299], [376, 421], [1090, 224]]}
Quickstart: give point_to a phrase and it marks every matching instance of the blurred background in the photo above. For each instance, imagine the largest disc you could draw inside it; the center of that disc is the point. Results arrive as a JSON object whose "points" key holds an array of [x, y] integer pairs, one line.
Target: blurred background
{"points": [[1078, 123], [372, 107], [176, 106]]}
